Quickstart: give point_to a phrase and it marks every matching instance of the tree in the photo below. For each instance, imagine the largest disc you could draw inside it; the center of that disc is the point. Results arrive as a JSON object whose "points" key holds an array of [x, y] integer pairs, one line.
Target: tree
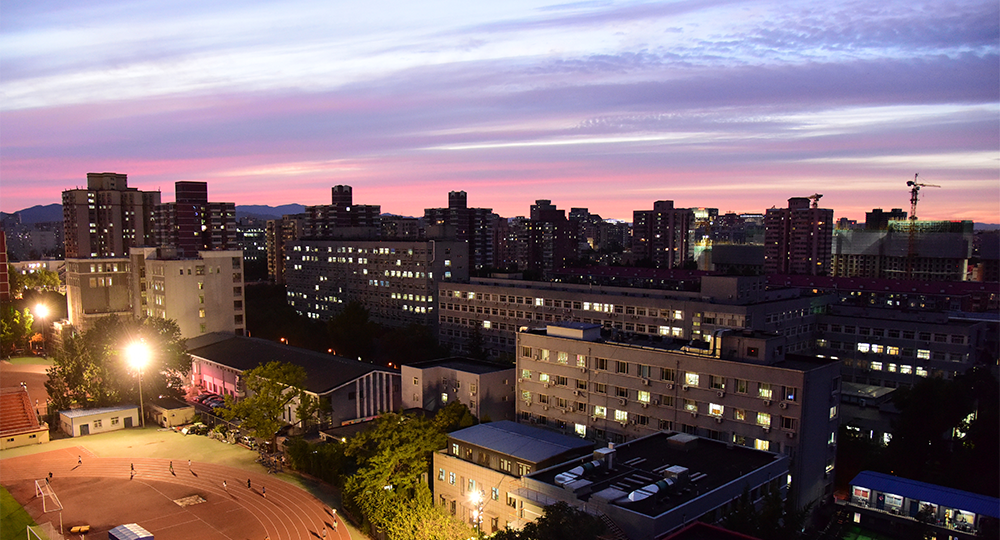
{"points": [[560, 521], [15, 327], [91, 370], [352, 334], [270, 388], [452, 416]]}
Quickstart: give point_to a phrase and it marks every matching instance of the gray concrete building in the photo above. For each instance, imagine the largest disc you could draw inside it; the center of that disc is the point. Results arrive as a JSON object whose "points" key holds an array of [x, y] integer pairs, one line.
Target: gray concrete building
{"points": [[486, 388]]}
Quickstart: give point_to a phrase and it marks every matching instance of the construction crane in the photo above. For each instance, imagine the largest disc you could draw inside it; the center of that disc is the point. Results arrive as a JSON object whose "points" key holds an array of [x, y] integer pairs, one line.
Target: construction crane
{"points": [[914, 192], [815, 197], [911, 254]]}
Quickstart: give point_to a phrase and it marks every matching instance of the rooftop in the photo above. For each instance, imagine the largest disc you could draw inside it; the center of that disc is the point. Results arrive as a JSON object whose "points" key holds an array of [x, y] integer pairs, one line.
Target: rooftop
{"points": [[520, 441], [80, 413], [639, 465], [324, 372], [924, 492], [468, 365]]}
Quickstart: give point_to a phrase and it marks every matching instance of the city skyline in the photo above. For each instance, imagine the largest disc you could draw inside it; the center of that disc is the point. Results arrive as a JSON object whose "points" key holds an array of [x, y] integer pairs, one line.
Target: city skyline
{"points": [[604, 105]]}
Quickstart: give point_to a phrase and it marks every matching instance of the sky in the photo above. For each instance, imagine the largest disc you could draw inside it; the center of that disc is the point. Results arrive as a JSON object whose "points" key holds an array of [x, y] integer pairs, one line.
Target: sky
{"points": [[610, 105]]}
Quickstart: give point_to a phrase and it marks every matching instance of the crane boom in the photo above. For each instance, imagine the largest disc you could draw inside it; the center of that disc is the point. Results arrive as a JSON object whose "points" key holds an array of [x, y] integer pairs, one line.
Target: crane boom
{"points": [[915, 195]]}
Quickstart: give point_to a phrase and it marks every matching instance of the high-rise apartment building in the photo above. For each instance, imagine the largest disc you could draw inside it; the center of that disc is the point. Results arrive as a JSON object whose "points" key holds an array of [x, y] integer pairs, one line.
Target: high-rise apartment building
{"points": [[278, 233], [741, 388], [662, 234], [396, 281], [4, 277], [192, 224], [203, 294], [546, 241], [798, 239], [107, 218], [342, 217], [472, 225]]}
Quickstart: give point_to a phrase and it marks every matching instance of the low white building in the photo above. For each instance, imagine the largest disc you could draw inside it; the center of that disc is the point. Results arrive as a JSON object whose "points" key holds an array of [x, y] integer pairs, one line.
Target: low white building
{"points": [[77, 422]]}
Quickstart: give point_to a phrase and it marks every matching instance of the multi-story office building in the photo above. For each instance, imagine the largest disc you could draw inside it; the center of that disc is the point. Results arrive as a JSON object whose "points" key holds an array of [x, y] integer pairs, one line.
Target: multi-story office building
{"points": [[486, 388], [191, 224], [342, 215], [203, 294], [401, 228], [107, 218], [96, 288], [897, 348], [797, 239], [251, 238], [472, 225], [652, 486], [932, 251], [498, 307], [741, 387], [279, 232], [480, 470], [396, 281], [662, 234]]}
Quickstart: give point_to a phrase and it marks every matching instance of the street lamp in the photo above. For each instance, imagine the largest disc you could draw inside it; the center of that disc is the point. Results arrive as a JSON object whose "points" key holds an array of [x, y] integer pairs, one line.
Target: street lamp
{"points": [[138, 356], [477, 500], [42, 311]]}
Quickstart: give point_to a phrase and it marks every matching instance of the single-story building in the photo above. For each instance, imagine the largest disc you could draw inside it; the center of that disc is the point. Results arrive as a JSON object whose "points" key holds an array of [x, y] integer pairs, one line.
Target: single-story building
{"points": [[19, 423], [168, 412], [355, 391], [77, 422]]}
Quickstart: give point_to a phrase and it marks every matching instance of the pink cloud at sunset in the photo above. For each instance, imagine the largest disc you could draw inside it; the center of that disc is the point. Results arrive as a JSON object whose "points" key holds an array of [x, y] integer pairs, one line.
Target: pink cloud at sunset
{"points": [[610, 106]]}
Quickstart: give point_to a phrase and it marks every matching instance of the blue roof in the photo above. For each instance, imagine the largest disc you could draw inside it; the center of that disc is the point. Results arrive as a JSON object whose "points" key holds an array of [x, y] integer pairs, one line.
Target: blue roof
{"points": [[924, 492], [531, 444], [79, 413], [130, 531]]}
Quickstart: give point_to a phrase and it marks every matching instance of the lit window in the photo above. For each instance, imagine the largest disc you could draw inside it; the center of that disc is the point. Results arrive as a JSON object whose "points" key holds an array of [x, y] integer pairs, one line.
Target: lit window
{"points": [[921, 372], [581, 430], [621, 416], [764, 390], [739, 414], [877, 366], [906, 369], [892, 368], [715, 409], [600, 412], [763, 419], [864, 347], [690, 405], [643, 397], [923, 354], [762, 445], [691, 379], [833, 412]]}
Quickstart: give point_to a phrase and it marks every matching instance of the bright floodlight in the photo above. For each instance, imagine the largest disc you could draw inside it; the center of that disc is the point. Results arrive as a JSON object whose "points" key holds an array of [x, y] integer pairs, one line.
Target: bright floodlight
{"points": [[475, 497], [137, 354], [42, 311]]}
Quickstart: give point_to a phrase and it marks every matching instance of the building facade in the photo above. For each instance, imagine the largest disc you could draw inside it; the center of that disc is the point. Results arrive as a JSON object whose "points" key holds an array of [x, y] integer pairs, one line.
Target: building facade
{"points": [[742, 389], [486, 388], [107, 218], [192, 224], [472, 225], [96, 288], [203, 294], [397, 281], [797, 239], [662, 234], [933, 251], [330, 220], [278, 233]]}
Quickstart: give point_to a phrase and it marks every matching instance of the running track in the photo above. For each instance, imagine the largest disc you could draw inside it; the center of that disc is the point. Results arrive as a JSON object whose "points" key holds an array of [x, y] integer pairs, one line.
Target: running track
{"points": [[100, 493]]}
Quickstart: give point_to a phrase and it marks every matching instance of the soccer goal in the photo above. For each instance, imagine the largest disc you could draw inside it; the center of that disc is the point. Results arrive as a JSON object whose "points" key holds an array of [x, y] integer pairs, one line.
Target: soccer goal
{"points": [[50, 502], [44, 531]]}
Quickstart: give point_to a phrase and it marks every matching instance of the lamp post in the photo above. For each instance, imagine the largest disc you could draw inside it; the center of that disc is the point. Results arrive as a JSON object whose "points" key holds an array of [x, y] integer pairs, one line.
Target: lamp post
{"points": [[138, 356], [42, 311], [477, 500]]}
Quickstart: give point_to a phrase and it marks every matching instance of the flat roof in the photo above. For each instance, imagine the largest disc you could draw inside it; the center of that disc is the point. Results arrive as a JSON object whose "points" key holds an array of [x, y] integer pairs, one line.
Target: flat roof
{"points": [[931, 493], [170, 403], [324, 372], [80, 413], [710, 464], [864, 390], [461, 363], [520, 441]]}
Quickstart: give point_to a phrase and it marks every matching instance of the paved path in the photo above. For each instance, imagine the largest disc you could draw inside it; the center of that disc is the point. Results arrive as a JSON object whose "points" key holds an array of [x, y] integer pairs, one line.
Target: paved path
{"points": [[102, 493]]}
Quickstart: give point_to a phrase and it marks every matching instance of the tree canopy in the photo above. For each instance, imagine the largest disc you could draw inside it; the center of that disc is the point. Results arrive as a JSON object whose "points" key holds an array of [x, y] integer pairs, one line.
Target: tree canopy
{"points": [[270, 388], [15, 328], [559, 522], [39, 280], [91, 369]]}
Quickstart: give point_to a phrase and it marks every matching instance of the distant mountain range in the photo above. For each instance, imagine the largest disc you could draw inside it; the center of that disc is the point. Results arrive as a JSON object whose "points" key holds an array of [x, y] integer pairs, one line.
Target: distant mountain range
{"points": [[261, 211]]}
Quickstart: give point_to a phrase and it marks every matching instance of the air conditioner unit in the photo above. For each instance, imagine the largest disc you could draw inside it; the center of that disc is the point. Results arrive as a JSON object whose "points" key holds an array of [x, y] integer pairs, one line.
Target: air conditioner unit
{"points": [[576, 392], [545, 407], [622, 401], [644, 405], [790, 434], [783, 405], [718, 419], [767, 402], [767, 430], [547, 385], [694, 414], [567, 410], [685, 387], [656, 402], [645, 382], [670, 386], [583, 370], [520, 380], [722, 393]]}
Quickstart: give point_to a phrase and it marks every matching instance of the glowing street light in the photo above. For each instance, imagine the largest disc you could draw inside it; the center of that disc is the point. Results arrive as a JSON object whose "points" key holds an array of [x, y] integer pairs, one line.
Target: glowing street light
{"points": [[137, 354], [42, 312], [477, 499]]}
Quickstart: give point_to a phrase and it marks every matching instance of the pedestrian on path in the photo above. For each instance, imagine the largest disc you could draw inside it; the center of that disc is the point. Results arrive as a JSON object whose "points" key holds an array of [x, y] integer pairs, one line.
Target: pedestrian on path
{"points": [[263, 491], [79, 460], [171, 467], [324, 532], [189, 464], [133, 466], [248, 484], [224, 486], [334, 518]]}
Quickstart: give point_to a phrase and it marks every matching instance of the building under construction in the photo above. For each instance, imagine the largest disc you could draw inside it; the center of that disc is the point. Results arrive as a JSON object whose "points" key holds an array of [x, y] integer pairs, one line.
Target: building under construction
{"points": [[905, 249]]}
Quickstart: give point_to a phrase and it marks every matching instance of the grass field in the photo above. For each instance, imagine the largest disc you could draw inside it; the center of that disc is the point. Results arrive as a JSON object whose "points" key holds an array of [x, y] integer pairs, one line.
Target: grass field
{"points": [[13, 518], [30, 361], [858, 533]]}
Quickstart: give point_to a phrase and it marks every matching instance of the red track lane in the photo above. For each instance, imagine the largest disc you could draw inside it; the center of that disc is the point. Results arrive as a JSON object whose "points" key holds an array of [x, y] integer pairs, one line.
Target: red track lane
{"points": [[99, 492]]}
